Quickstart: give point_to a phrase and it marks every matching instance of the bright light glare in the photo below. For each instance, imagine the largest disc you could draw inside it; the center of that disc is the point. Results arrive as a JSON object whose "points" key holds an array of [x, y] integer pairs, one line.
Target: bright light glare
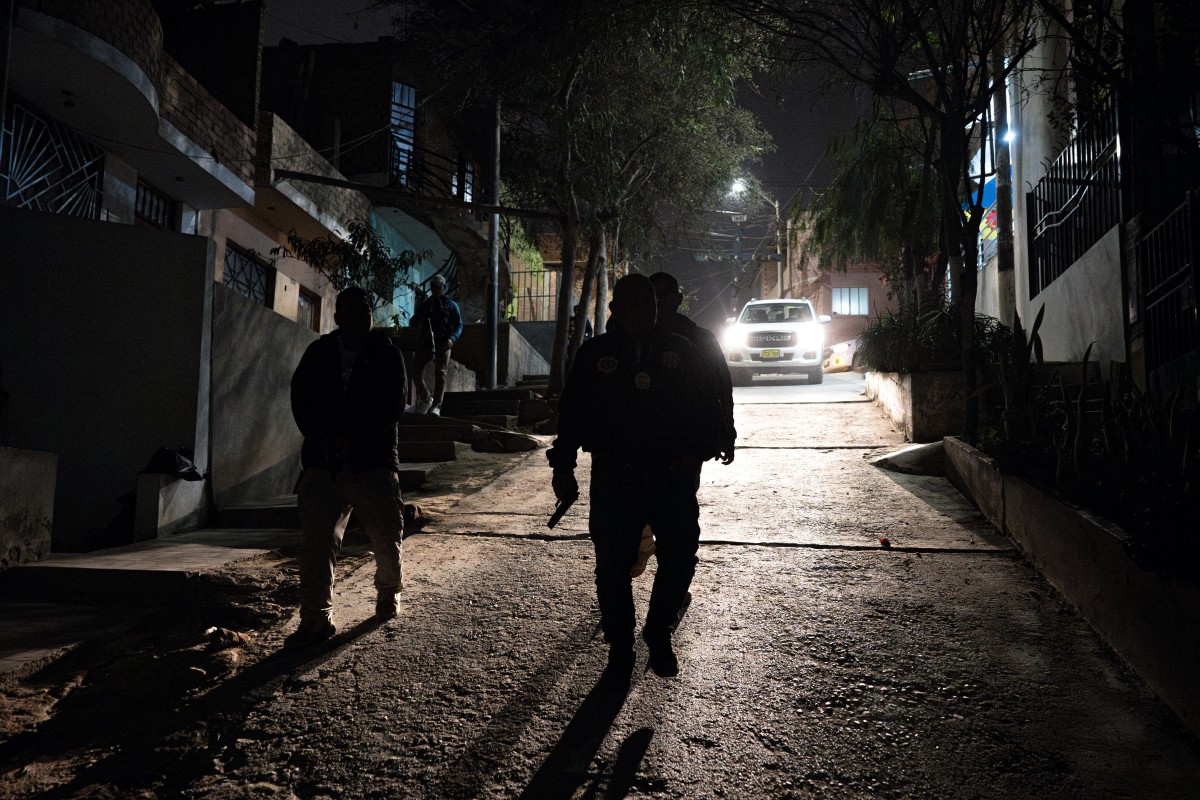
{"points": [[1010, 136], [738, 186]]}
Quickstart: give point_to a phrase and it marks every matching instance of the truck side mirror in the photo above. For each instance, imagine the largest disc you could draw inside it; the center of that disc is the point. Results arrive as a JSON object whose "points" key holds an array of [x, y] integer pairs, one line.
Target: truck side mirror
{"points": [[824, 318], [730, 320]]}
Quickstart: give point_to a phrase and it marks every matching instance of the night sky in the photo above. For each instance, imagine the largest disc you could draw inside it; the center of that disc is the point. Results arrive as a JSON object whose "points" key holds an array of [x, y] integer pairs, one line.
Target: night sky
{"points": [[802, 114]]}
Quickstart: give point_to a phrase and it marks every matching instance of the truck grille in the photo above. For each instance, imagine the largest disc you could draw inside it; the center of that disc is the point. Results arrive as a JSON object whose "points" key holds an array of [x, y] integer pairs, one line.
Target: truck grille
{"points": [[772, 339]]}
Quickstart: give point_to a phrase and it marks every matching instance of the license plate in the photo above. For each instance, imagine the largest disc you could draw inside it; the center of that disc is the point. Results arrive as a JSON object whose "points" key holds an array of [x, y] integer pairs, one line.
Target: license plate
{"points": [[770, 354]]}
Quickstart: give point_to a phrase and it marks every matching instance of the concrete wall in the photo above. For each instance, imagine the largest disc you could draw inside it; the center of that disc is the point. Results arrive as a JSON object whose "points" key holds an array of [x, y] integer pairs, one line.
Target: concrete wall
{"points": [[540, 336], [1084, 306], [27, 480], [256, 445], [104, 341], [516, 358], [924, 406]]}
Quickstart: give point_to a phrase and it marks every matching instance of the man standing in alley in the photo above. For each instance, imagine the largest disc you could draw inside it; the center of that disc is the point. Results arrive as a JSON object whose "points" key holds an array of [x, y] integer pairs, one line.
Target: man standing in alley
{"points": [[637, 401], [348, 394], [439, 322]]}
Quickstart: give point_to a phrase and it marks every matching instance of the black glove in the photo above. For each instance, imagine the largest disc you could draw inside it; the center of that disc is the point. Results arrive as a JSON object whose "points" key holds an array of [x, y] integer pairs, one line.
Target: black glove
{"points": [[565, 486]]}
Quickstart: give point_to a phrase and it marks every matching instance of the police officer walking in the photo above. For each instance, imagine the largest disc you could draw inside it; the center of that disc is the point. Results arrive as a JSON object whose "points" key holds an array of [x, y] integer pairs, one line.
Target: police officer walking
{"points": [[637, 401]]}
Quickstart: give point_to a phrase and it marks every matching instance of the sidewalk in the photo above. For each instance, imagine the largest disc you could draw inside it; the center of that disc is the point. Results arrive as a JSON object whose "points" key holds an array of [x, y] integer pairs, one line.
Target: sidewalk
{"points": [[54, 607]]}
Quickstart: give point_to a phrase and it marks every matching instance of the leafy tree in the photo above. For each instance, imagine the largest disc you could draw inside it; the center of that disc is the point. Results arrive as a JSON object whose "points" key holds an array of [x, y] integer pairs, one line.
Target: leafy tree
{"points": [[359, 259], [880, 208], [932, 62], [615, 111]]}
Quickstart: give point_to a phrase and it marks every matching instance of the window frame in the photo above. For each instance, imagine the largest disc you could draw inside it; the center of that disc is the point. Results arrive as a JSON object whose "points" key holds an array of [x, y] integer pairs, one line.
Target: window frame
{"points": [[314, 300], [860, 293], [251, 257]]}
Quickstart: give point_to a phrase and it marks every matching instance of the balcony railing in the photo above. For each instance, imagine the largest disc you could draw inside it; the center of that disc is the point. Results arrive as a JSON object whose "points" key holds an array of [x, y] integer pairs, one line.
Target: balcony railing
{"points": [[1077, 202], [1167, 259], [433, 174]]}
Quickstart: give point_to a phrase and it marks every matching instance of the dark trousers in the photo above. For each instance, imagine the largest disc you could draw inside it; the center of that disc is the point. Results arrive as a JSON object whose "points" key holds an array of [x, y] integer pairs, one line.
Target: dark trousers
{"points": [[440, 358], [624, 499]]}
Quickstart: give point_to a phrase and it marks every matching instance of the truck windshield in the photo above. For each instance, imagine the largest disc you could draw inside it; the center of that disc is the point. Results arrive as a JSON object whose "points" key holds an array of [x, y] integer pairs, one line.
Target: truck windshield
{"points": [[778, 312]]}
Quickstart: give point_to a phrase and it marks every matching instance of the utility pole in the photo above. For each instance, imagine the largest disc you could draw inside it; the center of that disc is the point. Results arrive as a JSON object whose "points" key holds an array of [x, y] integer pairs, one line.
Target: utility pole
{"points": [[493, 292], [1005, 267], [778, 252]]}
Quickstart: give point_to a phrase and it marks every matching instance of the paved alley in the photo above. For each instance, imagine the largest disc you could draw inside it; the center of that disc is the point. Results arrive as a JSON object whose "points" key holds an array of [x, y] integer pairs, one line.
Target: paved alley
{"points": [[814, 661]]}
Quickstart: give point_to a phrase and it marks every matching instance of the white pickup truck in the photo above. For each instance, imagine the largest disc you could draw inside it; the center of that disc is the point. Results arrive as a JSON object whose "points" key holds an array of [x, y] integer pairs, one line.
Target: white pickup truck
{"points": [[775, 336]]}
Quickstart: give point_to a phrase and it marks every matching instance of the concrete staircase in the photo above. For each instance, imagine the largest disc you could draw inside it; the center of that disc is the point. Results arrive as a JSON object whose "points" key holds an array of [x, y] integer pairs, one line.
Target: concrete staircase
{"points": [[510, 409]]}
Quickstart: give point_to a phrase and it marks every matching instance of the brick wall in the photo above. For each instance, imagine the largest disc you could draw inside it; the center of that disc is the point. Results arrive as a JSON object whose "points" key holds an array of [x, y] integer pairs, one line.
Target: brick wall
{"points": [[189, 107], [133, 27], [278, 144]]}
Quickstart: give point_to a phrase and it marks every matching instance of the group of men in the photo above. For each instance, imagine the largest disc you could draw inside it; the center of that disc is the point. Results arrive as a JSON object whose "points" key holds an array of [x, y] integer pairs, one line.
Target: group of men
{"points": [[650, 399]]}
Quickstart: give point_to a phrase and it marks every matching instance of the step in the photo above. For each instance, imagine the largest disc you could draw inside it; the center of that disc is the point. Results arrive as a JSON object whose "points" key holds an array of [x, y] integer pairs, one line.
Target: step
{"points": [[450, 431], [467, 408], [160, 569], [276, 512], [505, 421], [488, 394], [534, 411], [427, 451], [282, 512]]}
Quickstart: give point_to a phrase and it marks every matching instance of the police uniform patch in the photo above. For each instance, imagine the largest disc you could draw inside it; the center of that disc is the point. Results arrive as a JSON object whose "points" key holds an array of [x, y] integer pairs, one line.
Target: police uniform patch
{"points": [[607, 365], [670, 359], [641, 380]]}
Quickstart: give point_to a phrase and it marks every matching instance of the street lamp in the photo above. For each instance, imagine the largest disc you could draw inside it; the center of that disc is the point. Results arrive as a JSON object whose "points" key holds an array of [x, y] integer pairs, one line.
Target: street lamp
{"points": [[739, 187]]}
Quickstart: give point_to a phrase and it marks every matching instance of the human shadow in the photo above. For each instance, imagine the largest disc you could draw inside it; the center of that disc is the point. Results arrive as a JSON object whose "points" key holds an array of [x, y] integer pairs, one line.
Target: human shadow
{"points": [[629, 758], [566, 768], [144, 749]]}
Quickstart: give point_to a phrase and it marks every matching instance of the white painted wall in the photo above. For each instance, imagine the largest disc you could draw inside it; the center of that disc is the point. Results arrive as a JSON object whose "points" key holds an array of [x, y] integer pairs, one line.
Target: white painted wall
{"points": [[1085, 306]]}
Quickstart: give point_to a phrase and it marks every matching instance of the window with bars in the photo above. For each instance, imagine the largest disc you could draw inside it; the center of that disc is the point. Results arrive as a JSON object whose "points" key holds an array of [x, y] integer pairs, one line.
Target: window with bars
{"points": [[308, 309], [850, 301], [403, 133], [46, 166], [155, 208], [248, 275]]}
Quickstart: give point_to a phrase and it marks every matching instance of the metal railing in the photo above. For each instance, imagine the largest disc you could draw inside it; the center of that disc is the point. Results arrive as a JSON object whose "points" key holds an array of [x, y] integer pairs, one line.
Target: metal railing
{"points": [[434, 174], [1076, 202], [534, 296], [1167, 259]]}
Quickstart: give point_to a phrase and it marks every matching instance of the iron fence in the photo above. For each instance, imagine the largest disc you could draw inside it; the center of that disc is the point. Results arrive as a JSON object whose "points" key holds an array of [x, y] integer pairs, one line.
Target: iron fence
{"points": [[1076, 202], [1167, 257], [534, 296]]}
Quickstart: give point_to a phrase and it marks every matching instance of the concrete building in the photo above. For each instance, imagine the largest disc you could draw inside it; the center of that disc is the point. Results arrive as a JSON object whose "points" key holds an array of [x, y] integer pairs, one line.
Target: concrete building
{"points": [[142, 308], [1104, 204], [420, 161]]}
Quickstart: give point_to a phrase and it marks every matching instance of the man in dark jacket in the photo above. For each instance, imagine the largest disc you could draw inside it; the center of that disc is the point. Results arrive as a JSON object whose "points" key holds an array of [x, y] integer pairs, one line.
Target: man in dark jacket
{"points": [[669, 297], [348, 393], [635, 399], [440, 324]]}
